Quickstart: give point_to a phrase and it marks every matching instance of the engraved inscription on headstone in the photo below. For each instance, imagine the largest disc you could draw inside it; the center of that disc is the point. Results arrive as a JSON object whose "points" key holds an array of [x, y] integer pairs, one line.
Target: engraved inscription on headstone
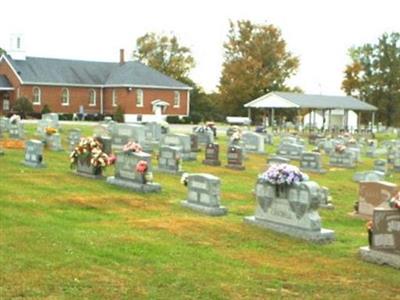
{"points": [[212, 155], [235, 158]]}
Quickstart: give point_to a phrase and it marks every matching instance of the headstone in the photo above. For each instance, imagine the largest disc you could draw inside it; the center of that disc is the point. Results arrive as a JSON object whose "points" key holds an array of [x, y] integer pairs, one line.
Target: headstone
{"points": [[373, 194], [392, 153], [290, 209], [41, 129], [278, 160], [52, 119], [53, 142], [123, 134], [204, 195], [4, 125], [181, 141], [268, 138], [153, 131], [205, 135], [368, 176], [235, 158], [356, 151], [346, 159], [212, 155], [396, 162], [86, 169], [311, 161], [74, 136], [16, 131], [194, 143], [253, 142], [34, 154], [385, 242], [326, 198], [106, 143], [170, 160], [292, 151], [127, 176], [380, 165]]}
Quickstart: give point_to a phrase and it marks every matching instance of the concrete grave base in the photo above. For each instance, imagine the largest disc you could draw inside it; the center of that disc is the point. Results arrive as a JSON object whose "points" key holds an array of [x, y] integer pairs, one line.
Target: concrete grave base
{"points": [[211, 162], [211, 211], [135, 186], [33, 165], [380, 257], [189, 156], [235, 167], [87, 175], [355, 214], [323, 236], [342, 166], [329, 206]]}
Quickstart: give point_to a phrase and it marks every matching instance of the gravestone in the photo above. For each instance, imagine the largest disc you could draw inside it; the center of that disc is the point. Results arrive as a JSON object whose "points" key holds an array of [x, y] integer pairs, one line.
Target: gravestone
{"points": [[380, 165], [311, 161], [290, 209], [268, 138], [122, 134], [126, 175], [74, 136], [85, 169], [385, 246], [326, 198], [106, 143], [292, 151], [41, 129], [153, 131], [194, 143], [392, 153], [53, 142], [373, 194], [357, 153], [253, 142], [346, 159], [235, 158], [4, 125], [181, 141], [212, 155], [205, 135], [16, 131], [368, 176], [52, 120], [34, 154], [204, 194], [278, 160], [170, 160]]}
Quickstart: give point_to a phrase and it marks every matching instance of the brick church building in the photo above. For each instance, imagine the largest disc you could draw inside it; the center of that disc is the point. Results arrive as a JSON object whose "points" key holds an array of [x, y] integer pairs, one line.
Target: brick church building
{"points": [[74, 86]]}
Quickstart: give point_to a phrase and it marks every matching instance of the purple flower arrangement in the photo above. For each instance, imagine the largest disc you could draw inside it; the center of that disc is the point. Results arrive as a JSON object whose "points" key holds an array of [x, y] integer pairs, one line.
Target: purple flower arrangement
{"points": [[279, 174]]}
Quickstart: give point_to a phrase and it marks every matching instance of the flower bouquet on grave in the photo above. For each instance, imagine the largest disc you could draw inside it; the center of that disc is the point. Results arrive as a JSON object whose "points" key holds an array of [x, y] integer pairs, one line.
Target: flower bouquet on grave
{"points": [[89, 151], [15, 119], [340, 148], [236, 137], [132, 147], [142, 168], [50, 131], [395, 201], [370, 226], [281, 176]]}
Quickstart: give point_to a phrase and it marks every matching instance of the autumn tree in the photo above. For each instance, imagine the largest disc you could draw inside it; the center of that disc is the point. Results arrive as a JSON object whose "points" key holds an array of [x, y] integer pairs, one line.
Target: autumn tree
{"points": [[256, 61], [165, 54], [374, 76]]}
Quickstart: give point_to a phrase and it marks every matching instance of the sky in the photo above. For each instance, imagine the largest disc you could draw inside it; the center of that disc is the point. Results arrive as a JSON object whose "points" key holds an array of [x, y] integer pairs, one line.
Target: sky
{"points": [[319, 32]]}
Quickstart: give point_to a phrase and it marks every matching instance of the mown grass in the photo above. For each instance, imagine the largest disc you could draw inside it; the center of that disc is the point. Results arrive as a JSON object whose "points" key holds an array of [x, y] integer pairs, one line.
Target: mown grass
{"points": [[67, 237]]}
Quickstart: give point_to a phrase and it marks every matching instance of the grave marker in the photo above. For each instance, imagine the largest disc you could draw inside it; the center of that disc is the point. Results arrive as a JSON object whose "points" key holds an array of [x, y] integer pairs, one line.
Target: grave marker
{"points": [[311, 161], [235, 158], [212, 155], [34, 154]]}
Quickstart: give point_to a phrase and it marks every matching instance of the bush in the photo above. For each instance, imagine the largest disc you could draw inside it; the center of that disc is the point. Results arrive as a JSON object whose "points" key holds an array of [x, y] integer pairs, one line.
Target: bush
{"points": [[65, 117], [23, 106], [173, 120], [45, 110], [119, 114]]}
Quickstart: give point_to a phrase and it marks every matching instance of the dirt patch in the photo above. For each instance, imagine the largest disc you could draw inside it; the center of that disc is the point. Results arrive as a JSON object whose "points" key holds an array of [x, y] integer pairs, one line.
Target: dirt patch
{"points": [[12, 144]]}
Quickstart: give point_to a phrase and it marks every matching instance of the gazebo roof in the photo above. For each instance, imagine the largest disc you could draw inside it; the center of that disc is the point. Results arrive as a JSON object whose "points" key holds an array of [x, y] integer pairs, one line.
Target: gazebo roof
{"points": [[296, 100]]}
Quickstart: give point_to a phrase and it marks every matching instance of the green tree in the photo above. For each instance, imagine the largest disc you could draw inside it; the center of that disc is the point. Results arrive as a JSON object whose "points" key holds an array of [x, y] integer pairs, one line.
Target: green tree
{"points": [[165, 54], [2, 51], [23, 106], [256, 61], [119, 114], [374, 76]]}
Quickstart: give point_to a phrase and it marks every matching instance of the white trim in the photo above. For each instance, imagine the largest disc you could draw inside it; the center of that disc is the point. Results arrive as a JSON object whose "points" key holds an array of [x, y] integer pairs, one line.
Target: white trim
{"points": [[90, 97], [6, 89], [142, 96], [12, 68], [68, 96], [188, 103], [179, 99], [101, 101], [271, 100], [114, 98], [39, 96]]}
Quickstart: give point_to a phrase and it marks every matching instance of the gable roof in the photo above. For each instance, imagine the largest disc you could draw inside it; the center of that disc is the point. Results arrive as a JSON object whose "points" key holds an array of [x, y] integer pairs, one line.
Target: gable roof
{"points": [[52, 71], [296, 100]]}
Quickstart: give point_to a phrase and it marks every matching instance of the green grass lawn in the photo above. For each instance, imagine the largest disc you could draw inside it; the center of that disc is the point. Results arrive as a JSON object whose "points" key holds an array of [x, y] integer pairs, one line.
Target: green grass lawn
{"points": [[67, 237]]}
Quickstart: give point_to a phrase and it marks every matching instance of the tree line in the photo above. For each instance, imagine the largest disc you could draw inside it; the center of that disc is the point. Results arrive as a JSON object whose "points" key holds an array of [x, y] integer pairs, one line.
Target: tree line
{"points": [[257, 61]]}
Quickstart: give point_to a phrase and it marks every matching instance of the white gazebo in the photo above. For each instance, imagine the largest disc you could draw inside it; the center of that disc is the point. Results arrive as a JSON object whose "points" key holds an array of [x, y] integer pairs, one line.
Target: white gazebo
{"points": [[318, 105]]}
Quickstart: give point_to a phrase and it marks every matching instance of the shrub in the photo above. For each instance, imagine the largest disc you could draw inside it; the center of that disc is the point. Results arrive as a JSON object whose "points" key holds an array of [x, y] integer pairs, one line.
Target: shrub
{"points": [[65, 117], [119, 114], [45, 110], [23, 106]]}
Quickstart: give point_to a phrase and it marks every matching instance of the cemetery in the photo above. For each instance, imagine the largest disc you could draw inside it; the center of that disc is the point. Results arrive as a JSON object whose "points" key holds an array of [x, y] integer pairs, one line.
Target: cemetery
{"points": [[138, 196]]}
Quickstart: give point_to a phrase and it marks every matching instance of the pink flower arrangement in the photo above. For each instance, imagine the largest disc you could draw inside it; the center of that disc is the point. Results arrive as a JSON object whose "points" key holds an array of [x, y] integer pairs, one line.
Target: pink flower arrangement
{"points": [[132, 147], [340, 148], [142, 167], [395, 201], [278, 174]]}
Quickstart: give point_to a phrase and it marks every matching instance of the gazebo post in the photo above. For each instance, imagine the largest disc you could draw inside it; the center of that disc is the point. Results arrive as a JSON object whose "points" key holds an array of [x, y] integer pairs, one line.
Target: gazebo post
{"points": [[346, 120], [309, 120], [330, 120], [359, 122], [323, 120], [249, 113], [272, 117], [373, 121]]}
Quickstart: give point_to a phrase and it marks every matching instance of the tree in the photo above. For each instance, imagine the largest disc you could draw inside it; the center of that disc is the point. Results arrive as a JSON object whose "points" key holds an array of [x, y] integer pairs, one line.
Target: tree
{"points": [[374, 76], [2, 51], [119, 114], [23, 106], [164, 54], [256, 62]]}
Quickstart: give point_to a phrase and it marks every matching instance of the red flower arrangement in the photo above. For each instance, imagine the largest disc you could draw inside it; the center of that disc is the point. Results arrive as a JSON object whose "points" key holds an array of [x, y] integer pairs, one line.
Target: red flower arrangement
{"points": [[142, 167]]}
